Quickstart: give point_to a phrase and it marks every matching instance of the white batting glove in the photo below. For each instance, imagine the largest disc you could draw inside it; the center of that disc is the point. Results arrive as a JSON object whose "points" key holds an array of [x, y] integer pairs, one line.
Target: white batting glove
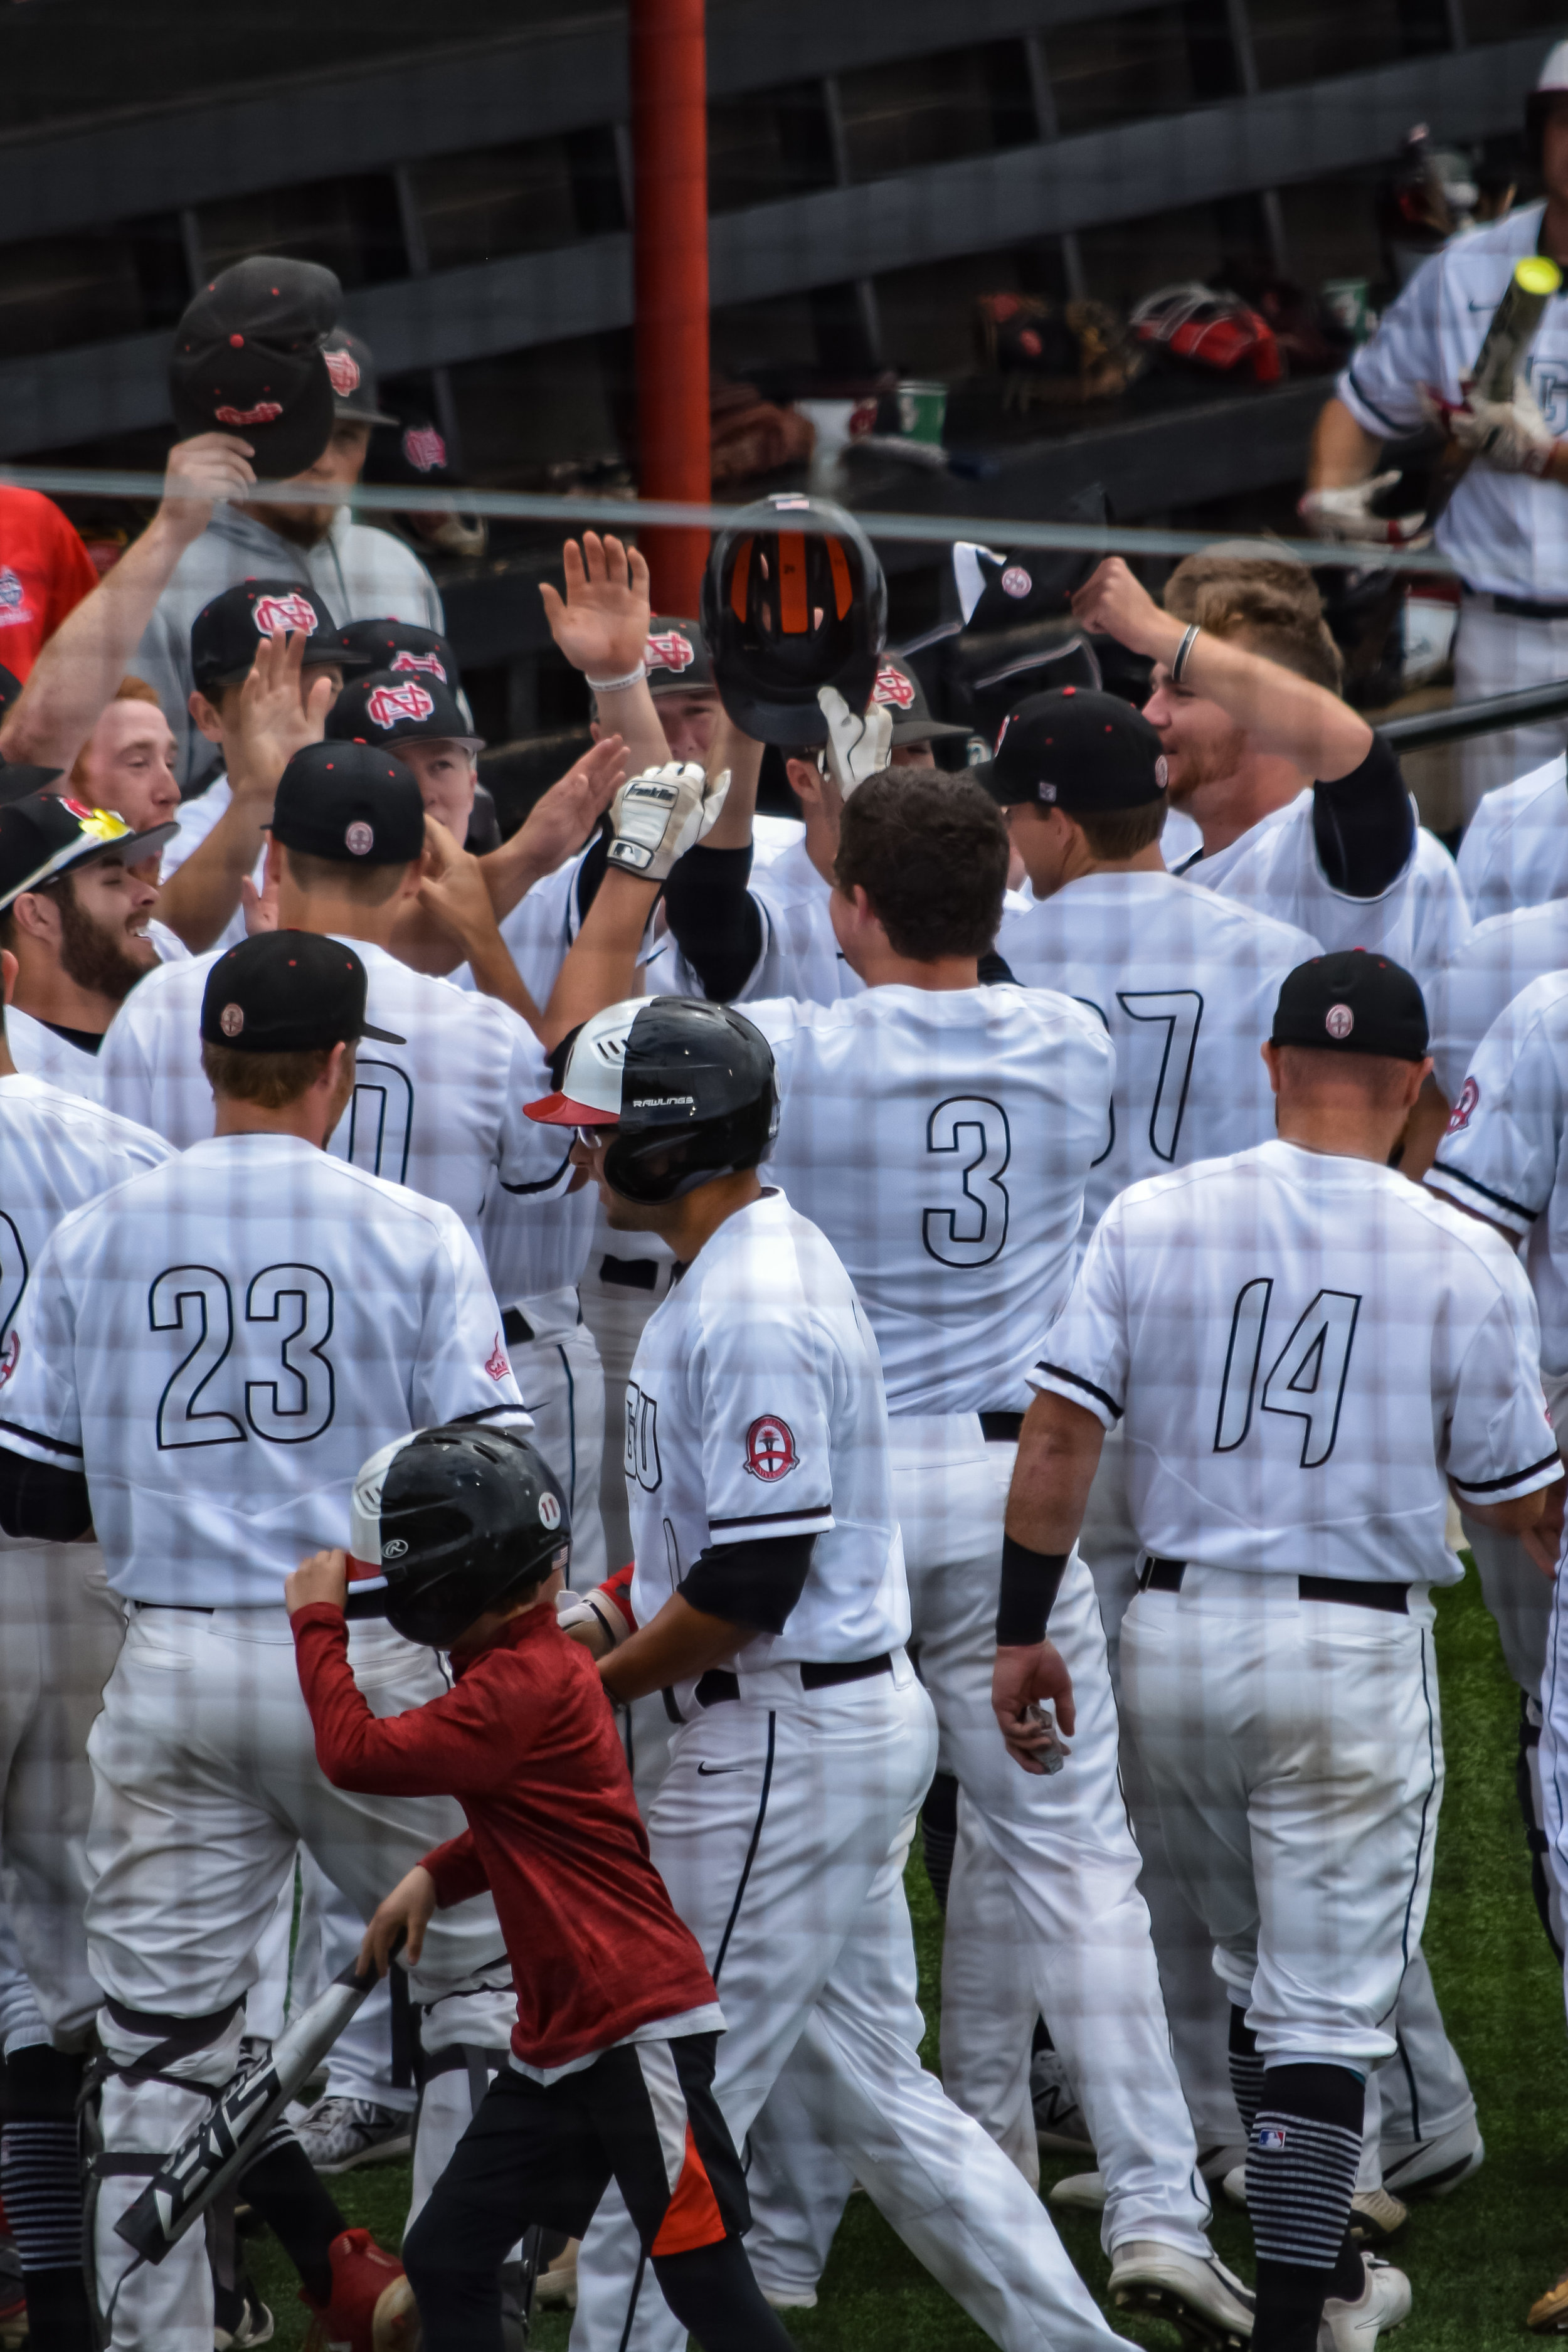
{"points": [[1511, 437], [1345, 516], [593, 1609], [659, 815], [857, 747]]}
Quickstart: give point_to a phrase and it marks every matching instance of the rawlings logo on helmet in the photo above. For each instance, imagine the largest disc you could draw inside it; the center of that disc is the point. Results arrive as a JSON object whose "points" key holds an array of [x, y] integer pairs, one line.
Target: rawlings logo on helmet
{"points": [[265, 411], [424, 449], [291, 612], [668, 650], [893, 686], [343, 369], [428, 662], [385, 705]]}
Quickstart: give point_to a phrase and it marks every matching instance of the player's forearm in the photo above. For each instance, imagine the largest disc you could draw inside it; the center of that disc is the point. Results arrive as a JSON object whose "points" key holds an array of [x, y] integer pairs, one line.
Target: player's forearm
{"points": [[495, 974], [632, 713], [1342, 451], [1059, 1453], [744, 758], [602, 968], [77, 671], [202, 896], [1514, 1517], [511, 873], [680, 1643], [1283, 713]]}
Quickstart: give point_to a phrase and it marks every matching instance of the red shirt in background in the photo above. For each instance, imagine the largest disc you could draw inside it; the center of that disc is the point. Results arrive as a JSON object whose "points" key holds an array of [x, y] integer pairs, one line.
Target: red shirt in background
{"points": [[45, 573], [527, 1743]]}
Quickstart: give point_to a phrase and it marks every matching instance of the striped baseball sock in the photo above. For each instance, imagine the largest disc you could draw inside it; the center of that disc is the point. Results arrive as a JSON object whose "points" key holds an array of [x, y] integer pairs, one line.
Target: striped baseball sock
{"points": [[1302, 2157], [40, 2180], [1246, 2071]]}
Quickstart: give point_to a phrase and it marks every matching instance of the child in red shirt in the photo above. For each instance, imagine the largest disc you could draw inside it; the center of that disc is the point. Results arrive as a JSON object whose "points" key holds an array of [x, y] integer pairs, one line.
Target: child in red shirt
{"points": [[460, 1539]]}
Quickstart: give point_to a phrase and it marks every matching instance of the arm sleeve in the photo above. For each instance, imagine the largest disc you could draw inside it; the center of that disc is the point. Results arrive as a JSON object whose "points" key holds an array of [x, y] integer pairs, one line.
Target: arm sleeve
{"points": [[714, 918], [1085, 1355], [461, 1372], [1363, 826], [456, 1869], [754, 1583], [1498, 1440], [41, 1503], [1500, 1153], [452, 1744], [765, 1377]]}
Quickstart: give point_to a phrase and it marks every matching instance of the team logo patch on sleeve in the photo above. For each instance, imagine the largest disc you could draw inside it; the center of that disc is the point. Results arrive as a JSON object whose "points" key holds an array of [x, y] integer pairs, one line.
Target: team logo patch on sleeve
{"points": [[770, 1448], [496, 1363], [1469, 1095], [9, 1354]]}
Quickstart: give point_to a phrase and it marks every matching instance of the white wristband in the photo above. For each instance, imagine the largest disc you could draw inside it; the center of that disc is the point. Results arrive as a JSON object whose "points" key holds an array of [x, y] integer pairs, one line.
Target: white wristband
{"points": [[617, 685]]}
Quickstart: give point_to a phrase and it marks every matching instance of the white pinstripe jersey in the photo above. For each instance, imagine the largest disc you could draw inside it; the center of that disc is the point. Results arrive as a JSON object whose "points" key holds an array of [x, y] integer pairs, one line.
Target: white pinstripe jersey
{"points": [[1505, 532], [1298, 1344], [1500, 959], [1515, 849], [755, 1409], [221, 1342]]}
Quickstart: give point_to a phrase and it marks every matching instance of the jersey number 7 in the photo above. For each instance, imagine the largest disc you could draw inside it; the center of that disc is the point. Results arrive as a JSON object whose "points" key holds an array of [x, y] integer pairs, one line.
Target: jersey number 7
{"points": [[1307, 1378]]}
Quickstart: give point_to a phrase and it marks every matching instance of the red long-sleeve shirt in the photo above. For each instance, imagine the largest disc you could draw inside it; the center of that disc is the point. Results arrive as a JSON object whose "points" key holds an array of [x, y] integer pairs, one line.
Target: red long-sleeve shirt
{"points": [[527, 1744]]}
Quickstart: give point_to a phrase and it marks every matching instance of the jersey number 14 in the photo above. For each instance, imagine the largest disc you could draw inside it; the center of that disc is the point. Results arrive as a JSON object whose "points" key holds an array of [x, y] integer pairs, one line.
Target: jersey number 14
{"points": [[1307, 1377]]}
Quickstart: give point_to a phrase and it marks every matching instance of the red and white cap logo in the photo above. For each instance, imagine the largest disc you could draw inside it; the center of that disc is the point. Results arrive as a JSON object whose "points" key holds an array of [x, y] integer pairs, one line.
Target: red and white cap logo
{"points": [[424, 449], [359, 838], [385, 705], [1015, 581], [430, 663], [770, 1448], [1339, 1020], [668, 650], [343, 369], [265, 411], [893, 686], [231, 1020], [294, 612]]}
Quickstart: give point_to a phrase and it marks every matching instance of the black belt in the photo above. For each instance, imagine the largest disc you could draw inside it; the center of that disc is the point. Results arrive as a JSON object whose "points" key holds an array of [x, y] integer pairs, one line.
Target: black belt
{"points": [[1528, 608], [631, 1272], [720, 1684], [1354, 1591], [194, 1607], [1001, 1428]]}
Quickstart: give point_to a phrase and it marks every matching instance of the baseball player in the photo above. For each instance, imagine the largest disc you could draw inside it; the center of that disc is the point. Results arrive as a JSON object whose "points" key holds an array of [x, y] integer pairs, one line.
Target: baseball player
{"points": [[948, 1090], [1303, 1346], [770, 1595], [202, 1367], [74, 910], [1245, 702], [60, 1631], [1515, 849], [1505, 529], [612, 2057]]}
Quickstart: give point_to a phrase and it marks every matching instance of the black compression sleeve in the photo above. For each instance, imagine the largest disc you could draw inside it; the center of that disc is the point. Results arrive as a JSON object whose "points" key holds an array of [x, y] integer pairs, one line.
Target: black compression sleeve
{"points": [[40, 1503], [714, 919], [1363, 826], [1030, 1582], [755, 1583]]}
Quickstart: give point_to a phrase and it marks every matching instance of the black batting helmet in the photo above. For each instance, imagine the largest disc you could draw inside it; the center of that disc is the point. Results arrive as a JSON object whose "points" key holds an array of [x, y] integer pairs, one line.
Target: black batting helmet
{"points": [[787, 609], [451, 1522], [689, 1086]]}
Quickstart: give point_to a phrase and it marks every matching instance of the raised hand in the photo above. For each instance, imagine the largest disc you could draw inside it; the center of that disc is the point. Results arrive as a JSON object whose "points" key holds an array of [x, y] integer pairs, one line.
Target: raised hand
{"points": [[602, 623]]}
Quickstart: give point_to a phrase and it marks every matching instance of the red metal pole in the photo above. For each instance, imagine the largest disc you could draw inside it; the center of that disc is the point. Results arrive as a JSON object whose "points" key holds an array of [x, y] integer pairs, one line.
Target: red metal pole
{"points": [[670, 146]]}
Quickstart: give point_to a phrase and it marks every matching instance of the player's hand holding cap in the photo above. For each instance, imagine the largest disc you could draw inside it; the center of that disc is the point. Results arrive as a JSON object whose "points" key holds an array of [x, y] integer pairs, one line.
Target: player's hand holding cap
{"points": [[349, 802], [659, 815], [288, 993], [1353, 1002], [1075, 749]]}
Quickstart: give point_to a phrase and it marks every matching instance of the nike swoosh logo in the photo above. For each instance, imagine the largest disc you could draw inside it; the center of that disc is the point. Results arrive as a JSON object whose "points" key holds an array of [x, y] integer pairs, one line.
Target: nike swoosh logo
{"points": [[710, 1770]]}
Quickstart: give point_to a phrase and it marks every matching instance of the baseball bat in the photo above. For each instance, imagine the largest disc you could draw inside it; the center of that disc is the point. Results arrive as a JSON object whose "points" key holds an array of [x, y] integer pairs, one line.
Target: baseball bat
{"points": [[218, 2150], [1534, 281]]}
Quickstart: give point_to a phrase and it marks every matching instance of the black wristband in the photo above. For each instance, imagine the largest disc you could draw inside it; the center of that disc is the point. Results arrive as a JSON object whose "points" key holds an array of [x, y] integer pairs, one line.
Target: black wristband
{"points": [[1030, 1582]]}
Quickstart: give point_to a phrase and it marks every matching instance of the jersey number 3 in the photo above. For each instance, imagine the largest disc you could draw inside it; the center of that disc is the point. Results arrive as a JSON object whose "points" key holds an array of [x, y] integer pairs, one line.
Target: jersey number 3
{"points": [[968, 1133], [1307, 1378], [293, 1404]]}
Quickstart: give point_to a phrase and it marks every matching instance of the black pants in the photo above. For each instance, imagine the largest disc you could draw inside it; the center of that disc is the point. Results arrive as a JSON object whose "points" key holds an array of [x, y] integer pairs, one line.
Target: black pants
{"points": [[644, 2115]]}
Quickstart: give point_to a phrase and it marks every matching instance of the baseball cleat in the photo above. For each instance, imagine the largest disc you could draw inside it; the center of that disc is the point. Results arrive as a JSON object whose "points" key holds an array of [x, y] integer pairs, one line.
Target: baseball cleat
{"points": [[1547, 2315], [791, 2298], [372, 2307], [1081, 2192], [241, 2320], [1434, 2167], [1383, 2302], [1375, 2216], [339, 2134], [1215, 2162], [555, 2288], [1059, 2122], [1205, 2302]]}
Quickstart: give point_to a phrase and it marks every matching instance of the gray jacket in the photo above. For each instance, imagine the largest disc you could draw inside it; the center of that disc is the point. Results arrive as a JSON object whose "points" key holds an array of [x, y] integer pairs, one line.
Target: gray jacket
{"points": [[360, 573]]}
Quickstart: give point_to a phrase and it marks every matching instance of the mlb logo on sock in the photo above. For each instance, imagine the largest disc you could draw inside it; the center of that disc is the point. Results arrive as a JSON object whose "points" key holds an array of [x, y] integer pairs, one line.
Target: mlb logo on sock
{"points": [[1271, 2138]]}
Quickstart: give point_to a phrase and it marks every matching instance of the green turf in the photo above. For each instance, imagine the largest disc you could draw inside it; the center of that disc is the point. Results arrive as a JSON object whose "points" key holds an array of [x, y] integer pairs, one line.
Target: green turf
{"points": [[1476, 2259]]}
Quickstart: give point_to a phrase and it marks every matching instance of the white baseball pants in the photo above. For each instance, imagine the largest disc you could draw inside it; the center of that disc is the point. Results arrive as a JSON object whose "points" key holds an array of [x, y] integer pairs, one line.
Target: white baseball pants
{"points": [[1296, 1752], [782, 1829], [205, 1780], [562, 1384], [60, 1632], [615, 1310]]}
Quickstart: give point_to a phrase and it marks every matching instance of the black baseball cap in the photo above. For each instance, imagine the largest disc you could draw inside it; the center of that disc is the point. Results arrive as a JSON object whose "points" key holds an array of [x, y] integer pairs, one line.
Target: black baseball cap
{"points": [[1351, 1003], [392, 706], [403, 646], [900, 693], [350, 366], [676, 659], [225, 633], [352, 804], [288, 993], [1076, 749], [43, 838], [248, 359]]}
